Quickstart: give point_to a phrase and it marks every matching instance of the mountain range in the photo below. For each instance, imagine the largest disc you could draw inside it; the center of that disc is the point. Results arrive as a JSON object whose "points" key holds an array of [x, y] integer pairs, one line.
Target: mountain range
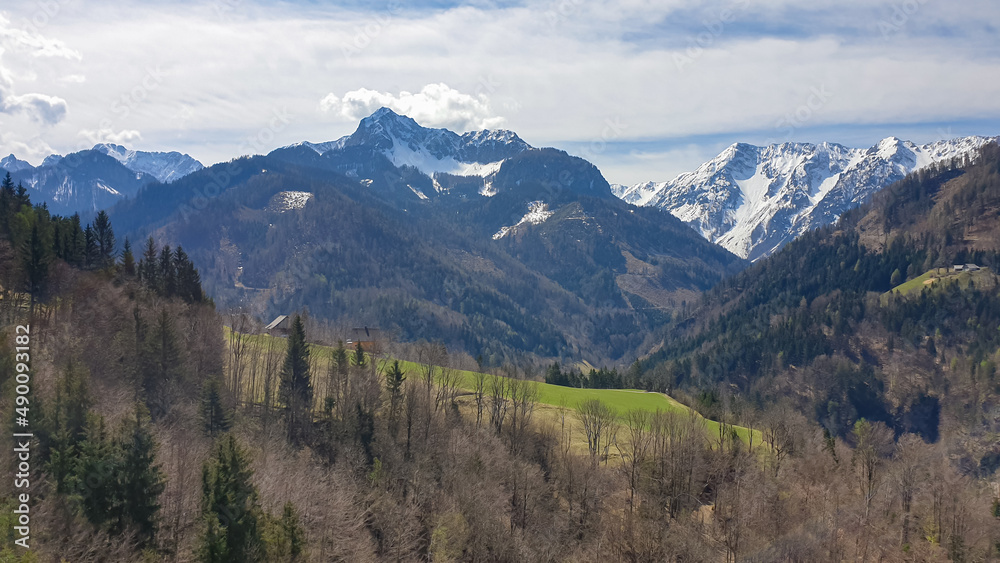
{"points": [[753, 200], [94, 179], [749, 199], [477, 240]]}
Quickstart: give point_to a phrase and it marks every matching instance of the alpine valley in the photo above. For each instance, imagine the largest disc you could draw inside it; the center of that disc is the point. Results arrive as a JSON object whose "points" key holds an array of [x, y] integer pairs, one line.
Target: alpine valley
{"points": [[478, 240]]}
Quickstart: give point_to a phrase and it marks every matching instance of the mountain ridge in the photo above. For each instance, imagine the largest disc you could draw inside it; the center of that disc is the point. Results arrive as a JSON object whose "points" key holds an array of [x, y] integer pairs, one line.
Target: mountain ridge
{"points": [[752, 199]]}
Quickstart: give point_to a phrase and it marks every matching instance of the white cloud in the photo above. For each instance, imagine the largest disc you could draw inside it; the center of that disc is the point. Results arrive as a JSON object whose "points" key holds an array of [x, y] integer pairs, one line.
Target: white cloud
{"points": [[557, 72], [436, 105], [26, 39], [39, 107], [106, 135]]}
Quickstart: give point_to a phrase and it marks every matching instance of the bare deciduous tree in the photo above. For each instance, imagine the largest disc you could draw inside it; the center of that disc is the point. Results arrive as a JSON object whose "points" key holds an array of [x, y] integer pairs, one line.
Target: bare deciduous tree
{"points": [[598, 422]]}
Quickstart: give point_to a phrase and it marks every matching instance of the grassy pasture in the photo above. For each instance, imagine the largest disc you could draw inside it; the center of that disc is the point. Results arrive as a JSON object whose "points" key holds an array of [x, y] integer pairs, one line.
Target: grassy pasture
{"points": [[552, 398]]}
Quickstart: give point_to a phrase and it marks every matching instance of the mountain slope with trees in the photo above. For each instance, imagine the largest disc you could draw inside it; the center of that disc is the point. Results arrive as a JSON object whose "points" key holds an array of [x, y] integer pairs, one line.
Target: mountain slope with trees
{"points": [[813, 324], [586, 282]]}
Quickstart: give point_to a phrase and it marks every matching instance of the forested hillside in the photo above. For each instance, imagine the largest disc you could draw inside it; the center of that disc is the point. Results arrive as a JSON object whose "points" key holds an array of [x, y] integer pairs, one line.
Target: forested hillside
{"points": [[814, 325], [588, 282], [151, 445]]}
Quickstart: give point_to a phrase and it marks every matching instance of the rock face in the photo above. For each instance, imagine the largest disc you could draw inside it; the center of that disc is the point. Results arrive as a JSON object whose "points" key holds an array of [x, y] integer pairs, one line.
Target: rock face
{"points": [[753, 200]]}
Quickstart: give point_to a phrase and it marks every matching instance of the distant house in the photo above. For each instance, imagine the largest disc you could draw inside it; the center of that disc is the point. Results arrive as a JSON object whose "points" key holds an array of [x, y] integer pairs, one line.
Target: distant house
{"points": [[369, 338], [280, 326], [966, 268]]}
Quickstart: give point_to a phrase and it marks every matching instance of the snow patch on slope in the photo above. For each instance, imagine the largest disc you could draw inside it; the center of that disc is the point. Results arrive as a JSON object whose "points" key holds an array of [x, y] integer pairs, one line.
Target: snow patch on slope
{"points": [[538, 212], [287, 201]]}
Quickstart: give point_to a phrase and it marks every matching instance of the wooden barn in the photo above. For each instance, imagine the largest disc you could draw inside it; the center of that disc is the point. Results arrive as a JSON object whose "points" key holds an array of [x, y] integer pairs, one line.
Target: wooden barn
{"points": [[369, 338], [280, 326]]}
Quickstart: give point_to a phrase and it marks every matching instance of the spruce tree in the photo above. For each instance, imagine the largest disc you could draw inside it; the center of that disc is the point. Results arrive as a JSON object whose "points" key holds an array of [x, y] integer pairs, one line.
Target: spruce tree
{"points": [[230, 507], [104, 236], [142, 480], [96, 487], [36, 260], [296, 390], [394, 379], [148, 266], [188, 281], [358, 358], [75, 243], [216, 417], [167, 273], [91, 252], [128, 260], [161, 363]]}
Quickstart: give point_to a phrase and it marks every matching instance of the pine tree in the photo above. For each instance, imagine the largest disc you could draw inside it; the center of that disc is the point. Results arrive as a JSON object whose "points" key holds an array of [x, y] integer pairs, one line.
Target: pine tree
{"points": [[216, 417], [142, 480], [230, 507], [296, 390]]}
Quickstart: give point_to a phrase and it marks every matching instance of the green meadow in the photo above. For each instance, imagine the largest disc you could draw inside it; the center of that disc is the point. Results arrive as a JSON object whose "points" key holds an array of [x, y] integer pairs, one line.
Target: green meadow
{"points": [[619, 400]]}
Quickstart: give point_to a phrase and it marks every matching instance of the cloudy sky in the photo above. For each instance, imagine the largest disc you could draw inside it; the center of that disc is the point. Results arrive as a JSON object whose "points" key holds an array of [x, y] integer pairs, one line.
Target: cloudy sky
{"points": [[643, 89]]}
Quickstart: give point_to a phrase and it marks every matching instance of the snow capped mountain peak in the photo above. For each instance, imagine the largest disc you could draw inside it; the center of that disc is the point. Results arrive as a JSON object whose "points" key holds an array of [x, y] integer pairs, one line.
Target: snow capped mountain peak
{"points": [[752, 200], [164, 166], [11, 164], [404, 142]]}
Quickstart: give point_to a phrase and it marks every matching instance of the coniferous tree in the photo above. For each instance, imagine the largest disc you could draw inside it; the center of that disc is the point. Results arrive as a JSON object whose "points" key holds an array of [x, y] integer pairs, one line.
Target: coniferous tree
{"points": [[128, 260], [285, 538], [358, 358], [296, 390], [148, 266], [76, 247], [104, 236], [142, 480], [394, 379], [166, 272], [188, 281], [160, 362], [230, 507], [216, 417], [96, 486], [21, 196], [36, 262], [91, 251]]}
